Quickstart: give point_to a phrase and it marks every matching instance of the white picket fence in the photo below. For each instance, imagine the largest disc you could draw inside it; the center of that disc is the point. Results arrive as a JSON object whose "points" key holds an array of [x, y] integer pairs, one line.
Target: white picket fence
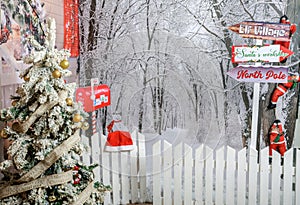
{"points": [[223, 176], [183, 175], [125, 172]]}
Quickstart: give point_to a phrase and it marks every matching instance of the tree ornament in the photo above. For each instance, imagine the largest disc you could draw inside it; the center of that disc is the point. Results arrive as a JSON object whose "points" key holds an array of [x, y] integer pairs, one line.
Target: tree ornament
{"points": [[3, 134], [85, 125], [77, 118], [52, 198], [69, 101], [26, 78], [76, 181], [64, 64], [56, 74], [14, 103]]}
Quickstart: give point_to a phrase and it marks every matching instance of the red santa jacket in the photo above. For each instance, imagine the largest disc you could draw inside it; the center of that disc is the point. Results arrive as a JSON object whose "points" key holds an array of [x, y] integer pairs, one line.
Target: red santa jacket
{"points": [[276, 134], [284, 20]]}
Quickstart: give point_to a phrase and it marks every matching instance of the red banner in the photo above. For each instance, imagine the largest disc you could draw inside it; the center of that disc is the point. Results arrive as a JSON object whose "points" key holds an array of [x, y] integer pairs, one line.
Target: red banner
{"points": [[102, 97], [71, 29]]}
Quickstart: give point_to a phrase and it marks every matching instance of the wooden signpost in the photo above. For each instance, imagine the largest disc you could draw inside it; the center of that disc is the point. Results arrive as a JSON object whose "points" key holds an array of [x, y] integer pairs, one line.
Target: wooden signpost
{"points": [[260, 31], [266, 53]]}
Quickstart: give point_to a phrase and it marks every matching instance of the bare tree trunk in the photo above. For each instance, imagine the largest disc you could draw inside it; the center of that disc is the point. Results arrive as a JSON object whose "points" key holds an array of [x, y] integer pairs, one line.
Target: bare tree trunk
{"points": [[290, 122], [91, 44], [141, 105], [267, 116], [248, 117], [150, 34], [293, 12]]}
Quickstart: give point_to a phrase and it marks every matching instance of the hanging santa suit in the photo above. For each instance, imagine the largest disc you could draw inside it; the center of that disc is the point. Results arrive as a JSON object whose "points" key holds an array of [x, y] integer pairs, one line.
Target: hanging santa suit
{"points": [[5, 23], [284, 20], [281, 89], [276, 137], [119, 139]]}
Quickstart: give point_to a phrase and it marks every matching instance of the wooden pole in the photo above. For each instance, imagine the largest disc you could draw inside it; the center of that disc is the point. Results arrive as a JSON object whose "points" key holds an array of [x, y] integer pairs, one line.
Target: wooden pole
{"points": [[255, 109]]}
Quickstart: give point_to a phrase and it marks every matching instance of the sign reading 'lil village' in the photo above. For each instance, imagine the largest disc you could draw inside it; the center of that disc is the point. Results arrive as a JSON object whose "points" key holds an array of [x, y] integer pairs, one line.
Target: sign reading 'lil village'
{"points": [[262, 30]]}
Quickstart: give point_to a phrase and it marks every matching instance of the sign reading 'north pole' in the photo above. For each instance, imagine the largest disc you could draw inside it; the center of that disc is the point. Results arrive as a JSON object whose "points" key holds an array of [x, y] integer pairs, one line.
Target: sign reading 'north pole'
{"points": [[262, 30], [273, 74], [267, 53]]}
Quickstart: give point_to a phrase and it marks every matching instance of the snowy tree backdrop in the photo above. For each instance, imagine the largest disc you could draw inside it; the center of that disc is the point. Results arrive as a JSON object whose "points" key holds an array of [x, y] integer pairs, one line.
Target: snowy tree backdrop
{"points": [[166, 64]]}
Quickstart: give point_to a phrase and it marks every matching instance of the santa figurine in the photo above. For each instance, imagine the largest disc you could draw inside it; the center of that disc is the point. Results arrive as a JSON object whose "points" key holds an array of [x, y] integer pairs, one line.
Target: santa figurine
{"points": [[283, 88], [276, 137], [284, 20], [118, 139]]}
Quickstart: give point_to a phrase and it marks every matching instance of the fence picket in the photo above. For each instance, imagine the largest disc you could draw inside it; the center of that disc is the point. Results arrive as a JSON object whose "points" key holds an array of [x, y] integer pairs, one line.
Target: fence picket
{"points": [[156, 171], [275, 188], [220, 165], [188, 169], [134, 169], [199, 174], [96, 154], [134, 176], [177, 164], [264, 176], [115, 178], [105, 168], [230, 175], [288, 177], [209, 165], [142, 167], [241, 178], [167, 173], [125, 173], [252, 187], [297, 185]]}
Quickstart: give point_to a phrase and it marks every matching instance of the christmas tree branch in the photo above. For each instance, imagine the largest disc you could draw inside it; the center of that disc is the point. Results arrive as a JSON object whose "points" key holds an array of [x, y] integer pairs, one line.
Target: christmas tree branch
{"points": [[23, 127]]}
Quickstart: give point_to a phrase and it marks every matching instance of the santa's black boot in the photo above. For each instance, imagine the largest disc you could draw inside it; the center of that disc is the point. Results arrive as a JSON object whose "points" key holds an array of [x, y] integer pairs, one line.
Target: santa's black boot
{"points": [[271, 106]]}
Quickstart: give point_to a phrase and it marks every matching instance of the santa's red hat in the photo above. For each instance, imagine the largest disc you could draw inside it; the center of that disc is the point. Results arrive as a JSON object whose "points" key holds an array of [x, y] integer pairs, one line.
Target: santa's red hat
{"points": [[118, 139]]}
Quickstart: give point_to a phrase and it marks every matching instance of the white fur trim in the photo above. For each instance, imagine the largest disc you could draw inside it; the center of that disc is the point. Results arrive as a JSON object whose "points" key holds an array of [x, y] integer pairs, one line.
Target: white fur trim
{"points": [[281, 89], [119, 148], [278, 142]]}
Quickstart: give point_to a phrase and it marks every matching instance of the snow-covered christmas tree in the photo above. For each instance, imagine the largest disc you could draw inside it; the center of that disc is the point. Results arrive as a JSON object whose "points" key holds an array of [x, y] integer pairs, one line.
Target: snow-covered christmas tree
{"points": [[44, 124]]}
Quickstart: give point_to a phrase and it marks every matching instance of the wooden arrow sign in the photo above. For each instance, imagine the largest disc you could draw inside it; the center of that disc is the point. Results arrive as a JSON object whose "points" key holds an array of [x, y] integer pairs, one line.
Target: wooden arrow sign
{"points": [[262, 30], [267, 53], [267, 74]]}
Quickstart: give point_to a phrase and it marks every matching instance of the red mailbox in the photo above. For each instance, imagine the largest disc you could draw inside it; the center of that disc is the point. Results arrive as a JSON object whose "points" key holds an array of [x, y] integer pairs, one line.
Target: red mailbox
{"points": [[90, 103]]}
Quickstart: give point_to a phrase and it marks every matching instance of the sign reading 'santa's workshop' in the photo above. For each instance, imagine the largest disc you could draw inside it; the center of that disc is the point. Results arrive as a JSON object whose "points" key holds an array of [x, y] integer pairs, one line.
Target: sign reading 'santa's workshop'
{"points": [[267, 53]]}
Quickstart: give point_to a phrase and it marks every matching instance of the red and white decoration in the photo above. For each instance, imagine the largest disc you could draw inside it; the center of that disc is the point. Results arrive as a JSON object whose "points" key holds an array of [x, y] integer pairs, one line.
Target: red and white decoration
{"points": [[284, 20], [283, 88], [71, 28], [276, 137], [119, 139]]}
